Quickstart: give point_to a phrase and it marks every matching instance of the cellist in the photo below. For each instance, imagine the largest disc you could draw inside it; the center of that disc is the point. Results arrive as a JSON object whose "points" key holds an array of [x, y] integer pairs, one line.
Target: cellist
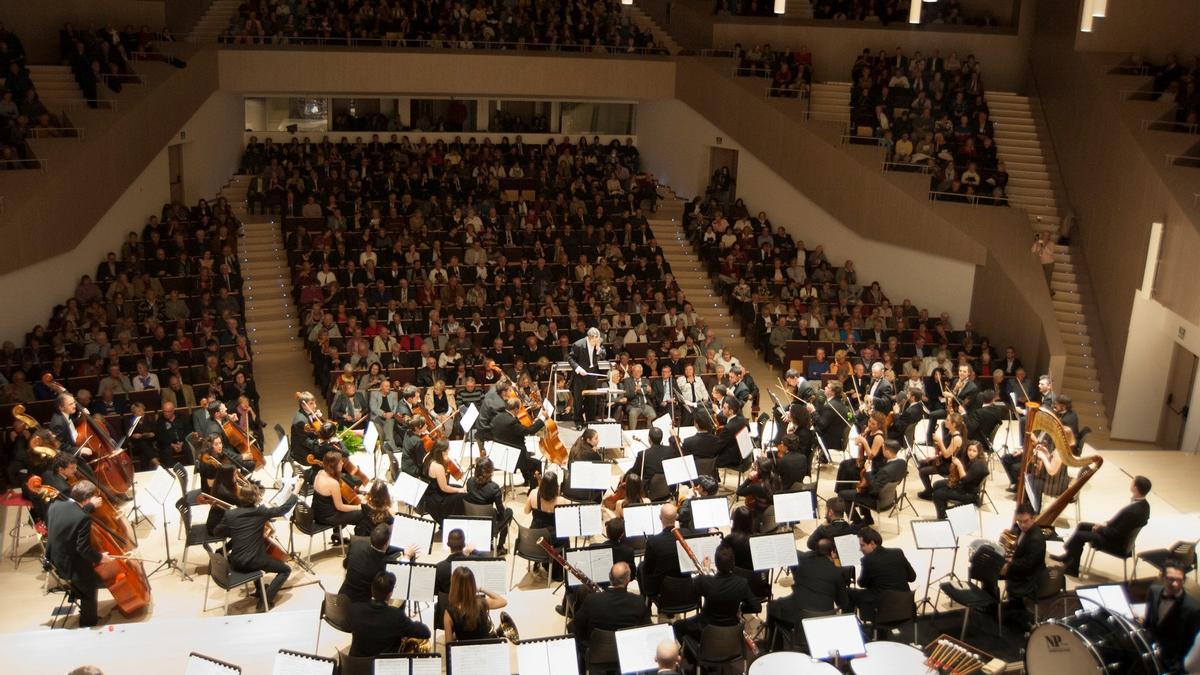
{"points": [[70, 547], [243, 525]]}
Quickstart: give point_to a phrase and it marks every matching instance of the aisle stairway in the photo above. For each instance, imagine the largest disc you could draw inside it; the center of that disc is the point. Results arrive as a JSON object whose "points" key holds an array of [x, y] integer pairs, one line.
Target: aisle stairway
{"points": [[830, 101], [281, 366], [661, 37], [58, 90], [667, 225], [1029, 188], [214, 22]]}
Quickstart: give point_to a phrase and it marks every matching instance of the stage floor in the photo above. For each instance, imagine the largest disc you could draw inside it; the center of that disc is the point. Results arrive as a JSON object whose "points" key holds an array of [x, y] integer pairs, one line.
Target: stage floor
{"points": [[175, 624]]}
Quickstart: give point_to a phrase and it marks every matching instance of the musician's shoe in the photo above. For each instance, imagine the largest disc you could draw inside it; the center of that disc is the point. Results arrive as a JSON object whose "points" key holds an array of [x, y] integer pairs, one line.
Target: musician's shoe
{"points": [[925, 494], [1058, 558], [501, 551], [562, 611], [1011, 488], [1071, 571]]}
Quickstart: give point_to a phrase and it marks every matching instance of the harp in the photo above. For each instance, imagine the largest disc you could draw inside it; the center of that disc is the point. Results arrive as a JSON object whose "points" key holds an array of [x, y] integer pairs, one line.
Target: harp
{"points": [[1040, 422]]}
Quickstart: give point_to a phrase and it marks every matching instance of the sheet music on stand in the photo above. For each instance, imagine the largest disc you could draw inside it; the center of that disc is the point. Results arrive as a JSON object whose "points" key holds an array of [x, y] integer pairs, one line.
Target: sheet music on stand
{"points": [[933, 534], [642, 520], [278, 455], [710, 512], [609, 433], [769, 551], [829, 634], [478, 657], [468, 418], [964, 519], [595, 563], [409, 489], [850, 445], [1109, 596], [476, 529], [409, 530], [591, 475], [555, 655], [680, 469], [370, 437], [415, 582], [408, 664], [490, 573], [161, 485], [704, 546], [637, 440], [624, 464], [504, 457], [744, 442], [285, 490], [578, 520], [847, 549], [686, 432], [636, 646], [663, 423], [793, 507], [199, 664], [288, 662], [458, 451]]}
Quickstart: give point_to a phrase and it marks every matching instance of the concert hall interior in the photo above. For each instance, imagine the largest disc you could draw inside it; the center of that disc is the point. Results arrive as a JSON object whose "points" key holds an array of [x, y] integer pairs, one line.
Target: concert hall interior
{"points": [[605, 336]]}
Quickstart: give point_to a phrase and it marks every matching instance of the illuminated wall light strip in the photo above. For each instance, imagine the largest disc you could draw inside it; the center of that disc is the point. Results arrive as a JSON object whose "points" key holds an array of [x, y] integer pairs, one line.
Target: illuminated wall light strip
{"points": [[914, 12], [1099, 8], [1085, 19], [780, 6]]}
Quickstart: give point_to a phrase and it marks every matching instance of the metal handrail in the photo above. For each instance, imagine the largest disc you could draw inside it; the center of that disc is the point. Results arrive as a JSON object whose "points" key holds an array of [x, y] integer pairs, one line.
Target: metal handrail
{"points": [[77, 103], [861, 140], [405, 43], [907, 167], [1188, 160], [1130, 69], [1187, 127], [784, 92], [31, 163], [56, 132], [970, 200]]}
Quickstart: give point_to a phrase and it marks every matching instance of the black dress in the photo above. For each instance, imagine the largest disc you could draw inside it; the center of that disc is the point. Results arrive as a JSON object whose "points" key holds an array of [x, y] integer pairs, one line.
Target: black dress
{"points": [[325, 512], [441, 504], [481, 631]]}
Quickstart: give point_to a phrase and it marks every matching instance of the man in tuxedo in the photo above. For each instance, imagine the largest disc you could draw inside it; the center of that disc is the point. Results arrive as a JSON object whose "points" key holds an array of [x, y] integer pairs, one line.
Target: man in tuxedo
{"points": [[835, 524], [819, 587], [883, 569], [730, 455], [376, 626], [739, 388], [301, 442], [71, 552], [660, 560], [383, 405], [890, 470], [1172, 616], [614, 608], [584, 357], [983, 421], [704, 444], [1113, 535], [912, 410], [637, 397], [365, 559], [830, 420], [793, 462], [62, 422], [796, 385], [492, 404], [243, 525], [649, 462], [1023, 573], [508, 430], [879, 392]]}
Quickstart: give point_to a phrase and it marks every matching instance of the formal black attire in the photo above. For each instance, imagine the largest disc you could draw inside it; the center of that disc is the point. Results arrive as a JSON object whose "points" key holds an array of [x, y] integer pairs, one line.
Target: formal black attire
{"points": [[508, 430], [722, 596], [1173, 623], [1112, 536], [1025, 570], [362, 562], [659, 561], [967, 489], [247, 548], [69, 540], [379, 628], [612, 609], [891, 471], [884, 569], [831, 531], [583, 356], [490, 493]]}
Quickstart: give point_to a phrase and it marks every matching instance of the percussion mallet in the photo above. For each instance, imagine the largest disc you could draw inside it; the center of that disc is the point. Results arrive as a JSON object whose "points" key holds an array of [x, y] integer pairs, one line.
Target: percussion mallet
{"points": [[935, 654]]}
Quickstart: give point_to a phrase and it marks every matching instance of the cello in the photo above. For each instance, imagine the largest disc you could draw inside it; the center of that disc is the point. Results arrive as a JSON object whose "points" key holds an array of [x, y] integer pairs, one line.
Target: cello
{"points": [[111, 465], [274, 548], [123, 576], [243, 441]]}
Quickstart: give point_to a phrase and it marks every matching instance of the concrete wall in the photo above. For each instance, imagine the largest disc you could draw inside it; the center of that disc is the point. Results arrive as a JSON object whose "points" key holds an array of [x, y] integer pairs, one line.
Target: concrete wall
{"points": [[38, 28], [212, 148], [50, 282], [1152, 29], [675, 143]]}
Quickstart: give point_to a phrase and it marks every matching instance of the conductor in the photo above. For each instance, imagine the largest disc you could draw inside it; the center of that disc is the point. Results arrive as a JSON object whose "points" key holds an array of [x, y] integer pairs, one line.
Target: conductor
{"points": [[585, 355]]}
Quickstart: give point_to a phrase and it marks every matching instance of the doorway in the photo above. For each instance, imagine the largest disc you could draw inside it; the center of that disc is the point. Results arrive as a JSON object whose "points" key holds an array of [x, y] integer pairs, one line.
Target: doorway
{"points": [[175, 169], [1181, 379], [723, 158]]}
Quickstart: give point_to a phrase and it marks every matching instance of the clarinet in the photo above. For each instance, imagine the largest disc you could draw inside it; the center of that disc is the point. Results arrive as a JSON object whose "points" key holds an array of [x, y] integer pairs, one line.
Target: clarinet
{"points": [[751, 647], [562, 560]]}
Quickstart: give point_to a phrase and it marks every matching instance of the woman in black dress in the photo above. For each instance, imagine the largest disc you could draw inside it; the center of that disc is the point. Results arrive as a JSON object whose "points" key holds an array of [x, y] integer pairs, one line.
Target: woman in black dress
{"points": [[441, 499], [466, 615]]}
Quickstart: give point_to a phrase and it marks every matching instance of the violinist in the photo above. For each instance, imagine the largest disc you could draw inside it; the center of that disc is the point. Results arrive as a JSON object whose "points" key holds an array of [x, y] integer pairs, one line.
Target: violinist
{"points": [[482, 490], [649, 462], [869, 445], [218, 478], [243, 524], [794, 459], [493, 403], [303, 438], [760, 487], [377, 509], [410, 398], [70, 547], [705, 486], [939, 464], [217, 415], [441, 499], [835, 524], [585, 449], [731, 413], [830, 419], [508, 430], [327, 504], [412, 446], [912, 409], [891, 470], [968, 472]]}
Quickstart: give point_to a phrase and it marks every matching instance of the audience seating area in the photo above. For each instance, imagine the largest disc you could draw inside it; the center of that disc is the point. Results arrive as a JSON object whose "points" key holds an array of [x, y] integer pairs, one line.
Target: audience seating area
{"points": [[597, 26], [790, 72], [22, 114], [800, 310], [930, 116], [949, 12], [170, 300], [102, 56]]}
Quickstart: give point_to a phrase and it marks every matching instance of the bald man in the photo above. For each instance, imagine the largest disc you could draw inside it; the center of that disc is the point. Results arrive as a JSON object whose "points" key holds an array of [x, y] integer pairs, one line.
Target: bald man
{"points": [[667, 657], [660, 560], [614, 609]]}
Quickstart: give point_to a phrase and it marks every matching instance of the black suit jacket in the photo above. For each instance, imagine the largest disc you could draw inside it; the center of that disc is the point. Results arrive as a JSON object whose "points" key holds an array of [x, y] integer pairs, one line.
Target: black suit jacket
{"points": [[614, 609], [729, 453], [362, 563], [1028, 564], [652, 458], [982, 421], [886, 569], [578, 356], [69, 540], [508, 430], [660, 560], [830, 531], [884, 393], [61, 427], [819, 586], [378, 627], [832, 430], [703, 446], [891, 471], [244, 527], [1117, 531], [1177, 630]]}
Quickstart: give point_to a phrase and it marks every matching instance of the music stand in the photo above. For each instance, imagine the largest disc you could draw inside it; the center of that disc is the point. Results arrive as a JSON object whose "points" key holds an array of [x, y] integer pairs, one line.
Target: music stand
{"points": [[159, 489], [933, 535], [135, 511]]}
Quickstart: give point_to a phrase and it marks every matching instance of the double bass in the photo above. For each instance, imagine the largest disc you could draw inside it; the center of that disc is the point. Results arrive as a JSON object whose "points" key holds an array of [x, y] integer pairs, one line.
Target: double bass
{"points": [[111, 465], [123, 576]]}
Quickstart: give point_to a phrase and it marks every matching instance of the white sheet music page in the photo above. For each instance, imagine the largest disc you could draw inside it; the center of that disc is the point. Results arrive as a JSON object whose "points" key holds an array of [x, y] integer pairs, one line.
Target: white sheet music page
{"points": [[710, 512], [467, 420], [391, 666], [287, 663], [566, 521], [408, 530], [485, 659], [847, 549], [478, 533], [828, 634], [424, 666], [663, 423], [591, 475], [642, 520], [554, 656], [409, 489], [686, 433], [930, 534], [964, 519], [769, 551], [704, 547], [489, 574], [415, 582], [610, 434], [504, 457], [745, 443], [636, 646], [792, 507], [370, 437], [595, 563], [680, 469]]}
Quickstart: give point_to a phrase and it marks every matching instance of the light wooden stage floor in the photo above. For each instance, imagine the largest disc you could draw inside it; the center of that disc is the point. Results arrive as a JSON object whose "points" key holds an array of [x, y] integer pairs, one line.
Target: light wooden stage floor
{"points": [[175, 625]]}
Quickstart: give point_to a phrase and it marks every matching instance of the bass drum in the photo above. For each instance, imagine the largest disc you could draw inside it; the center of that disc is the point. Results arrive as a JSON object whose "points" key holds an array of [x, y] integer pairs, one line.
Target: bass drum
{"points": [[1093, 641]]}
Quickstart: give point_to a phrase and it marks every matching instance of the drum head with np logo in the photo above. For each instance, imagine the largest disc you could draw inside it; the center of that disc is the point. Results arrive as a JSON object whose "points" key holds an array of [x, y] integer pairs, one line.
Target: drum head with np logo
{"points": [[1055, 649]]}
